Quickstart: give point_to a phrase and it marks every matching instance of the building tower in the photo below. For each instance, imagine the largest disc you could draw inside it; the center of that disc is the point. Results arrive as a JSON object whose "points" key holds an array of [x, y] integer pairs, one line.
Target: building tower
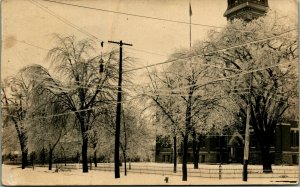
{"points": [[246, 9]]}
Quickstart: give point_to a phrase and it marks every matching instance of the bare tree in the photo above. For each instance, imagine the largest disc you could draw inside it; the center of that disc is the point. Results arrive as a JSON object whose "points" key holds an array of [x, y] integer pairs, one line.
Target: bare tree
{"points": [[80, 88], [272, 62], [45, 122], [80, 73], [185, 94], [15, 101]]}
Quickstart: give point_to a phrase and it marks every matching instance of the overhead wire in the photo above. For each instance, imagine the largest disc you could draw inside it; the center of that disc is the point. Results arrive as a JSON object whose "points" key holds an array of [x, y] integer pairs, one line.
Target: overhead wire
{"points": [[226, 78], [93, 108], [151, 65], [125, 100], [65, 21], [211, 52], [148, 17], [73, 112], [194, 95], [91, 35], [166, 90]]}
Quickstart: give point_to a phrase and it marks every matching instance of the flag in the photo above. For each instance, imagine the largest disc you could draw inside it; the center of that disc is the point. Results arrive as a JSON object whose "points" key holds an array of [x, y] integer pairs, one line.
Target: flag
{"points": [[190, 9]]}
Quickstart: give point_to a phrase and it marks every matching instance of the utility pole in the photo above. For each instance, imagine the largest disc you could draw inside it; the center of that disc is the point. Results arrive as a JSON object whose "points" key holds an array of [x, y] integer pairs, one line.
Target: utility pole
{"points": [[118, 117], [247, 134]]}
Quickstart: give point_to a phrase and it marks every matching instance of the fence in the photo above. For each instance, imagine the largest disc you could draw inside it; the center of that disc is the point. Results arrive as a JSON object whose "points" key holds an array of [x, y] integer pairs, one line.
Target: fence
{"points": [[216, 172]]}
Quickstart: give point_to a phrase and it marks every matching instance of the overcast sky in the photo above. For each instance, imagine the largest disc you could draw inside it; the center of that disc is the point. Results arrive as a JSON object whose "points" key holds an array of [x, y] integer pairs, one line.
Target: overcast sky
{"points": [[22, 20]]}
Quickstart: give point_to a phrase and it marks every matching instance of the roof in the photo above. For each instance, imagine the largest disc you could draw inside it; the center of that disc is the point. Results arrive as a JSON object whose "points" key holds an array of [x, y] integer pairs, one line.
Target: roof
{"points": [[246, 4]]}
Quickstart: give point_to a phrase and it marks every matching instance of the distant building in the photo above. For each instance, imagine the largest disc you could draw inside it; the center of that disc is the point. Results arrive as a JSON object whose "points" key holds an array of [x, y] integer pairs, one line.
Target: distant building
{"points": [[230, 148], [246, 9]]}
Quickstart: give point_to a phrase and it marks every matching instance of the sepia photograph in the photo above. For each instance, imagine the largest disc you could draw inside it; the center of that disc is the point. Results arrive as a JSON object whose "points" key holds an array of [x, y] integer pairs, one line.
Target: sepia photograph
{"points": [[149, 92]]}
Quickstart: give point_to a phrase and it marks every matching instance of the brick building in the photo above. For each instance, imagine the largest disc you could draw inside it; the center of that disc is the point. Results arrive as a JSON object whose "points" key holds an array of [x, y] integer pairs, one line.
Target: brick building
{"points": [[230, 148]]}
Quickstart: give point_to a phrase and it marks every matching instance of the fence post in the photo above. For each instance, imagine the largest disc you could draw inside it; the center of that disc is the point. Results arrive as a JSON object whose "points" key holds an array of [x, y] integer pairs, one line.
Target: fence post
{"points": [[90, 162], [220, 171]]}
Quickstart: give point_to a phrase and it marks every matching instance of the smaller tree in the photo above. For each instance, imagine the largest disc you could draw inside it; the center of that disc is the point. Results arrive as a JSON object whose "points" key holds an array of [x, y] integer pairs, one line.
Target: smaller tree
{"points": [[135, 137], [47, 122], [15, 101]]}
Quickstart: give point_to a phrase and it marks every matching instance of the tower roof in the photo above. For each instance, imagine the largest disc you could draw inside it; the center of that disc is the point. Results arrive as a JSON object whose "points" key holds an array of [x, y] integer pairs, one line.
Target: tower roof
{"points": [[246, 9]]}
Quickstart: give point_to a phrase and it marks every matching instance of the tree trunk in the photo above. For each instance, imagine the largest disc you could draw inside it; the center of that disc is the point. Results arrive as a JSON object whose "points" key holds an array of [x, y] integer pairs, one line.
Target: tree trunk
{"points": [[125, 168], [264, 141], [50, 159], [24, 158], [266, 159], [95, 158], [24, 150], [184, 158], [91, 163], [175, 154], [195, 155], [84, 154], [43, 156], [196, 159]]}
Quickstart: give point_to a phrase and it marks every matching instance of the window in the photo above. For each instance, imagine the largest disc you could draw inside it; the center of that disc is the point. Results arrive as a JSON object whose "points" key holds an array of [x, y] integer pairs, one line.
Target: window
{"points": [[202, 141], [252, 140], [223, 141], [202, 158], [295, 159], [294, 138]]}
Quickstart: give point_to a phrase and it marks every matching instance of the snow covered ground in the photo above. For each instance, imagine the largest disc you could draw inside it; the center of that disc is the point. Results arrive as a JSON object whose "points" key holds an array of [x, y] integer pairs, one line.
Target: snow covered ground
{"points": [[14, 175]]}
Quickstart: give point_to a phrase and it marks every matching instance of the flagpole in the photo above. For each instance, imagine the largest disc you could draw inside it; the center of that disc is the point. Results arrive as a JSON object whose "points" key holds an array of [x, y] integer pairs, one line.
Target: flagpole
{"points": [[190, 12]]}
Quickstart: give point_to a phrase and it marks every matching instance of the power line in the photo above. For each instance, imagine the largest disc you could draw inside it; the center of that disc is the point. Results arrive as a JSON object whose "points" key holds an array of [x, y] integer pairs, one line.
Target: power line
{"points": [[93, 36], [244, 73], [216, 51], [65, 21], [220, 79], [84, 31], [36, 46], [194, 95], [185, 57], [226, 78], [73, 112], [24, 42], [148, 52], [149, 17]]}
